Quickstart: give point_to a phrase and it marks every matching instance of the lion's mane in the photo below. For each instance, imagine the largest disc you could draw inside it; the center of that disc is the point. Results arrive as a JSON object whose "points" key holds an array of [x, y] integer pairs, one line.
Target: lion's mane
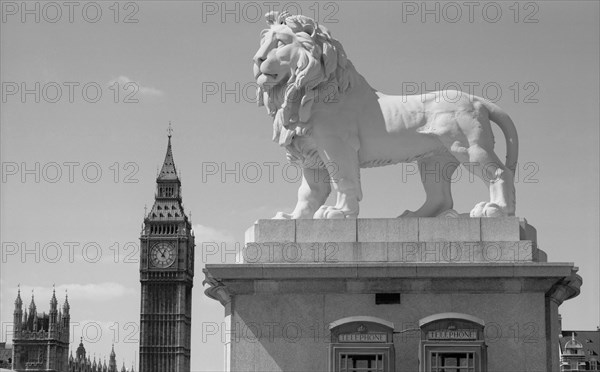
{"points": [[323, 73]]}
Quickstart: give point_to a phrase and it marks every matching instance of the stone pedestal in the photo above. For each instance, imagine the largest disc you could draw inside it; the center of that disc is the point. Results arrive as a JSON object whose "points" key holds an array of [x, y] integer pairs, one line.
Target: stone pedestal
{"points": [[307, 291]]}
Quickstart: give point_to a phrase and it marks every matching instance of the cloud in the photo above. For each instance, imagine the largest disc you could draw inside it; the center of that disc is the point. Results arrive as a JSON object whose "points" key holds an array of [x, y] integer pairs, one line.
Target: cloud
{"points": [[209, 234], [215, 246], [141, 89], [99, 292]]}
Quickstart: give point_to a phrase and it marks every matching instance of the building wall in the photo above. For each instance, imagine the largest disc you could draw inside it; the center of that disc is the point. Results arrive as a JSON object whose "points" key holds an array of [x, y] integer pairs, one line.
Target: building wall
{"points": [[5, 356], [275, 332]]}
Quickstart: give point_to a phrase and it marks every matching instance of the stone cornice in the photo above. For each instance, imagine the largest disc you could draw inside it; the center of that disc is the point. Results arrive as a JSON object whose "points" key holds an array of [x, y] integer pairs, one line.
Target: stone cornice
{"points": [[388, 270], [225, 281]]}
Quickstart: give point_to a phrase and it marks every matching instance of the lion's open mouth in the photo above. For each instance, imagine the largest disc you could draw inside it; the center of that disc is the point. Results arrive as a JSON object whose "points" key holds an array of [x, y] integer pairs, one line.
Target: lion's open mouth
{"points": [[267, 80], [258, 74]]}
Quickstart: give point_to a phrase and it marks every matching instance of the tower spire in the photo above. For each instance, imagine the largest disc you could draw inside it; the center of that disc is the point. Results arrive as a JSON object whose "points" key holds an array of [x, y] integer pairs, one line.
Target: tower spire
{"points": [[53, 301], [18, 313], [18, 301], [168, 171], [32, 304], [66, 306], [112, 362]]}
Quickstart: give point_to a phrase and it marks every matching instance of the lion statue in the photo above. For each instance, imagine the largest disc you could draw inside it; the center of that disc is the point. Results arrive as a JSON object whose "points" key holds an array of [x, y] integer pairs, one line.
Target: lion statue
{"points": [[333, 123]]}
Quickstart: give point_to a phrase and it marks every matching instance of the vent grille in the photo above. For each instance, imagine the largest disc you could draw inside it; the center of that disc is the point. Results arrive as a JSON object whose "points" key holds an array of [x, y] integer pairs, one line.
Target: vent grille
{"points": [[387, 298]]}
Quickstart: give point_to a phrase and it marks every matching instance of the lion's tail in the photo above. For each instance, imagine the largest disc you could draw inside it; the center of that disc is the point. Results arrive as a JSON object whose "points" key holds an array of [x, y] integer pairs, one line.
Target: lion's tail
{"points": [[501, 118]]}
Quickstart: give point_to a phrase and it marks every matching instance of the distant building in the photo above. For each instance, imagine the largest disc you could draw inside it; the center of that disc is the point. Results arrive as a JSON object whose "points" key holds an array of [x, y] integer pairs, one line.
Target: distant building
{"points": [[41, 343], [81, 363], [5, 356], [579, 350]]}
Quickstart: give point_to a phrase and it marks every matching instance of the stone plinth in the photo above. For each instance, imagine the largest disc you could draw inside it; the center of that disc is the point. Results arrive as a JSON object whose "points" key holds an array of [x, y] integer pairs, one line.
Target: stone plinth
{"points": [[367, 230], [451, 240], [298, 277], [407, 252]]}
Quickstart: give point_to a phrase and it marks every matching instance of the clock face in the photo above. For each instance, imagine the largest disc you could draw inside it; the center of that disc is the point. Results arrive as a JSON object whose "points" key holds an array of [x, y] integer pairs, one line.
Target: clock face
{"points": [[162, 255]]}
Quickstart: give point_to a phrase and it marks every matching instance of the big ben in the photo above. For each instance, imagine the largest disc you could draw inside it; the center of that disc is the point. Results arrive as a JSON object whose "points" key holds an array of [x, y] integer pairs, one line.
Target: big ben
{"points": [[167, 277]]}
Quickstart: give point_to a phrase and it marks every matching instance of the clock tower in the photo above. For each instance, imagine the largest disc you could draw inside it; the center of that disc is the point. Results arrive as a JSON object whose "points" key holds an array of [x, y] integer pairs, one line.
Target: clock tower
{"points": [[167, 277]]}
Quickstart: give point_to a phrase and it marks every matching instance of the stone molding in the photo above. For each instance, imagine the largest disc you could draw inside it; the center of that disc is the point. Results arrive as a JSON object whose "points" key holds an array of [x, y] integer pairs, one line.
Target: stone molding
{"points": [[352, 319], [441, 316], [237, 279]]}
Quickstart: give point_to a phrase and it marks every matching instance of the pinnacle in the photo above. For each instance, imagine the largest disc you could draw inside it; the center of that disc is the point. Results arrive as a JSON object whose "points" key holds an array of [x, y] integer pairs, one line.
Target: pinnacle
{"points": [[168, 171], [53, 301], [32, 304], [18, 301]]}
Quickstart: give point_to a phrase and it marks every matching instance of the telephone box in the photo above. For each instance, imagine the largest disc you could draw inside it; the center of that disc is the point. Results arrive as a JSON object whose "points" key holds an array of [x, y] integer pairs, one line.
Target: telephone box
{"points": [[361, 344], [452, 342]]}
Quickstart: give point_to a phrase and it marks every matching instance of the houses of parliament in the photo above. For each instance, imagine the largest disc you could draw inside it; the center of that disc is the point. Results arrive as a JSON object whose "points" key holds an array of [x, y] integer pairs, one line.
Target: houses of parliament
{"points": [[41, 341]]}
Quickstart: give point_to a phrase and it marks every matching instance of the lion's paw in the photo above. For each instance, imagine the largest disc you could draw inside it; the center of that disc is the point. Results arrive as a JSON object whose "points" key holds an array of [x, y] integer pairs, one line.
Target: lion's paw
{"points": [[330, 212], [282, 216], [408, 213], [485, 209]]}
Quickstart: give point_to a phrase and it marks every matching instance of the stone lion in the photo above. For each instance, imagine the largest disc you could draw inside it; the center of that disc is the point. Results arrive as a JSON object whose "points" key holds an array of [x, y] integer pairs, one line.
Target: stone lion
{"points": [[333, 123]]}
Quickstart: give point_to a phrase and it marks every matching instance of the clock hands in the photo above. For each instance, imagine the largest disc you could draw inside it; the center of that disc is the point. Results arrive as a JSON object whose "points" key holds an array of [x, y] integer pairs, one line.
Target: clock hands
{"points": [[163, 255]]}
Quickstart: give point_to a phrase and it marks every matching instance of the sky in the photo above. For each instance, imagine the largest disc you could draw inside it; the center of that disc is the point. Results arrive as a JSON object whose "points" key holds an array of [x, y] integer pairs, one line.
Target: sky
{"points": [[88, 91]]}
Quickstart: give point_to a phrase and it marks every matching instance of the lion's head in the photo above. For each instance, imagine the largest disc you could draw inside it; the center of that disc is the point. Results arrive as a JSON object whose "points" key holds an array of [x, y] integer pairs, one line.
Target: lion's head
{"points": [[297, 64]]}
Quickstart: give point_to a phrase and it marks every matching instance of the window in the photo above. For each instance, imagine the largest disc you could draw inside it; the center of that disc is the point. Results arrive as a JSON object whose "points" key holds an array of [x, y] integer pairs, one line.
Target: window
{"points": [[361, 344], [362, 358], [361, 362], [452, 342], [452, 362]]}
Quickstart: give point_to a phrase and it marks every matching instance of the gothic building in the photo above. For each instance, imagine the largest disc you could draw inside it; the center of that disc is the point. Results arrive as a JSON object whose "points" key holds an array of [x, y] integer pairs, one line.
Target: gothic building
{"points": [[41, 341], [5, 356], [81, 363], [166, 276]]}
